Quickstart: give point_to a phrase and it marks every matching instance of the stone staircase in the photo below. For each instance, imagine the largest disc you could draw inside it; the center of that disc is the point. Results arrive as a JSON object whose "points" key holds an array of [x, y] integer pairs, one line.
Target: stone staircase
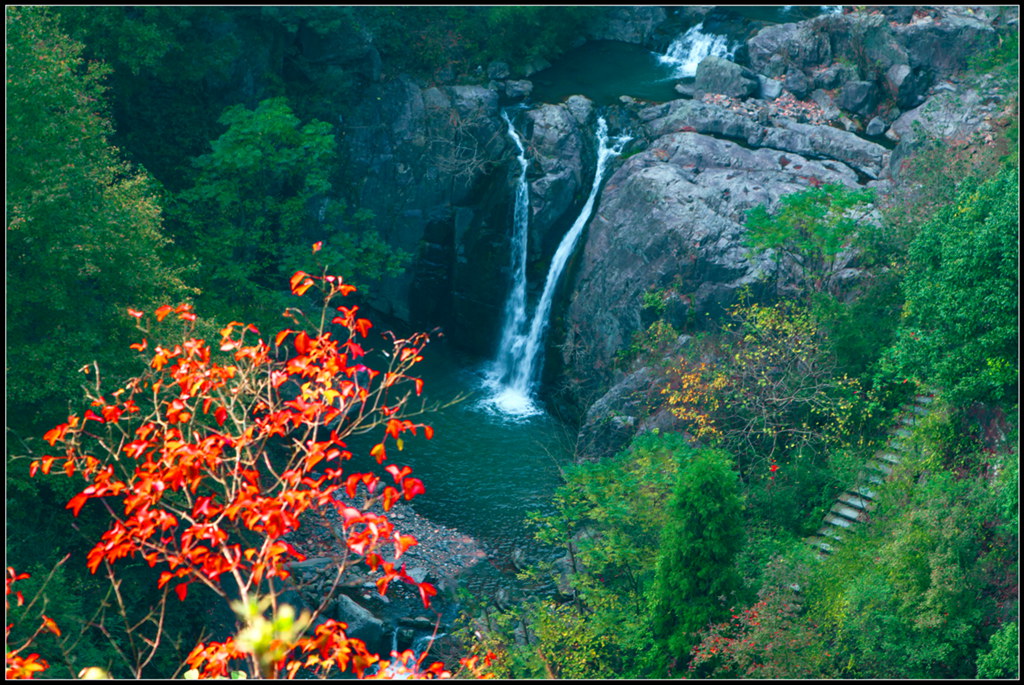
{"points": [[853, 505]]}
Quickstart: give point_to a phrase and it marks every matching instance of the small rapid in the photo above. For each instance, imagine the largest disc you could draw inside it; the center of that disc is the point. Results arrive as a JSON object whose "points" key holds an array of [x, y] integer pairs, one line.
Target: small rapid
{"points": [[687, 51]]}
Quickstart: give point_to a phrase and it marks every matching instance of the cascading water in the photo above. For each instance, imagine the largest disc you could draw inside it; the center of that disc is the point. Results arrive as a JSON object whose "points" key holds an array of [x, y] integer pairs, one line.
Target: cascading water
{"points": [[687, 51], [514, 372], [513, 333]]}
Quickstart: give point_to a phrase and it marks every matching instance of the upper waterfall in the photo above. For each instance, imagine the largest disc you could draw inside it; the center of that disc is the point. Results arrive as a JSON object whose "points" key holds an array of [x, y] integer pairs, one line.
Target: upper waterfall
{"points": [[687, 51]]}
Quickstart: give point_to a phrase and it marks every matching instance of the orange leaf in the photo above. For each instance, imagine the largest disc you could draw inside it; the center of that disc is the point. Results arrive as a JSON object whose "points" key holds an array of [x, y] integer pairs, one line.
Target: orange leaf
{"points": [[413, 487], [181, 591], [77, 502], [378, 453], [51, 625], [134, 313], [163, 311], [281, 335], [317, 245], [301, 282]]}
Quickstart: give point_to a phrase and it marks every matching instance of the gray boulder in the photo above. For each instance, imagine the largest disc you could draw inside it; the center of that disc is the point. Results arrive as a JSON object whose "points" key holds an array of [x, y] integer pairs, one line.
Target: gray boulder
{"points": [[717, 75], [776, 49], [518, 89], [770, 88], [859, 97], [362, 624], [944, 47], [635, 24], [797, 83], [875, 127]]}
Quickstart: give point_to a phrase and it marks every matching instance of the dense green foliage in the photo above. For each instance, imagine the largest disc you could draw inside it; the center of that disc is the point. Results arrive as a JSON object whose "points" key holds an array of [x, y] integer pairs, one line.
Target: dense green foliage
{"points": [[696, 573], [252, 201], [959, 328], [84, 234]]}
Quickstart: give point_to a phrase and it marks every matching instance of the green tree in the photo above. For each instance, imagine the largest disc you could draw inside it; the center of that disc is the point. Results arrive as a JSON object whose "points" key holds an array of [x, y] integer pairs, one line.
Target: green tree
{"points": [[808, 231], [696, 574], [260, 191], [84, 234], [959, 328]]}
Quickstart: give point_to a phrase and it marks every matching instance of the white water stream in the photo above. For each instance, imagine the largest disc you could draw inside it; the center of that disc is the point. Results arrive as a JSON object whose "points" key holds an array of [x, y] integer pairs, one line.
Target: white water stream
{"points": [[687, 51], [514, 372]]}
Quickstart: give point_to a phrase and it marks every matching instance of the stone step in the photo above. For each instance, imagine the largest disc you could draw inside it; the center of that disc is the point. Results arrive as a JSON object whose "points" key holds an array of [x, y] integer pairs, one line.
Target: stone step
{"points": [[874, 477], [820, 544], [888, 457], [919, 410], [846, 512], [902, 432], [924, 399], [856, 501], [831, 532], [865, 492], [838, 521], [909, 420], [877, 465]]}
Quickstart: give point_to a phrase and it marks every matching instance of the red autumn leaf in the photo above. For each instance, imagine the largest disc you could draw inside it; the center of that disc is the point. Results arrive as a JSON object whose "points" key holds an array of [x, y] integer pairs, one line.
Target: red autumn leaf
{"points": [[317, 245], [302, 342], [135, 313], [220, 415], [402, 543], [182, 591], [396, 473], [412, 487], [390, 497], [163, 311], [426, 592], [77, 502], [281, 335], [363, 326]]}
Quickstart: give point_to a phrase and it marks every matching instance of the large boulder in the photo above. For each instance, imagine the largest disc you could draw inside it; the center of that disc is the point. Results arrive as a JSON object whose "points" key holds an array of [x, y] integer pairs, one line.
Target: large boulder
{"points": [[560, 152], [717, 75], [776, 49], [943, 44], [672, 217], [362, 624], [780, 133], [859, 97]]}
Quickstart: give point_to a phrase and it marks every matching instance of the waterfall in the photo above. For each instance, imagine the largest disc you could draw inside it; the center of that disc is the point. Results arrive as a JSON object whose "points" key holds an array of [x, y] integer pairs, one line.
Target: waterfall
{"points": [[514, 372], [686, 51], [512, 332]]}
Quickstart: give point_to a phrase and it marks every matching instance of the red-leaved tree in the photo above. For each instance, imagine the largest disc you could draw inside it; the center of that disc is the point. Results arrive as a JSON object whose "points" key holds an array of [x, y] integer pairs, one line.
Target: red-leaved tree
{"points": [[206, 462]]}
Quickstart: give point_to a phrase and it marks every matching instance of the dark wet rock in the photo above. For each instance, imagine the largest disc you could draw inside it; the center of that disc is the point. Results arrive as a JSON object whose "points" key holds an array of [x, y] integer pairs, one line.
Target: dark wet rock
{"points": [[797, 83], [859, 97], [635, 24], [518, 89]]}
